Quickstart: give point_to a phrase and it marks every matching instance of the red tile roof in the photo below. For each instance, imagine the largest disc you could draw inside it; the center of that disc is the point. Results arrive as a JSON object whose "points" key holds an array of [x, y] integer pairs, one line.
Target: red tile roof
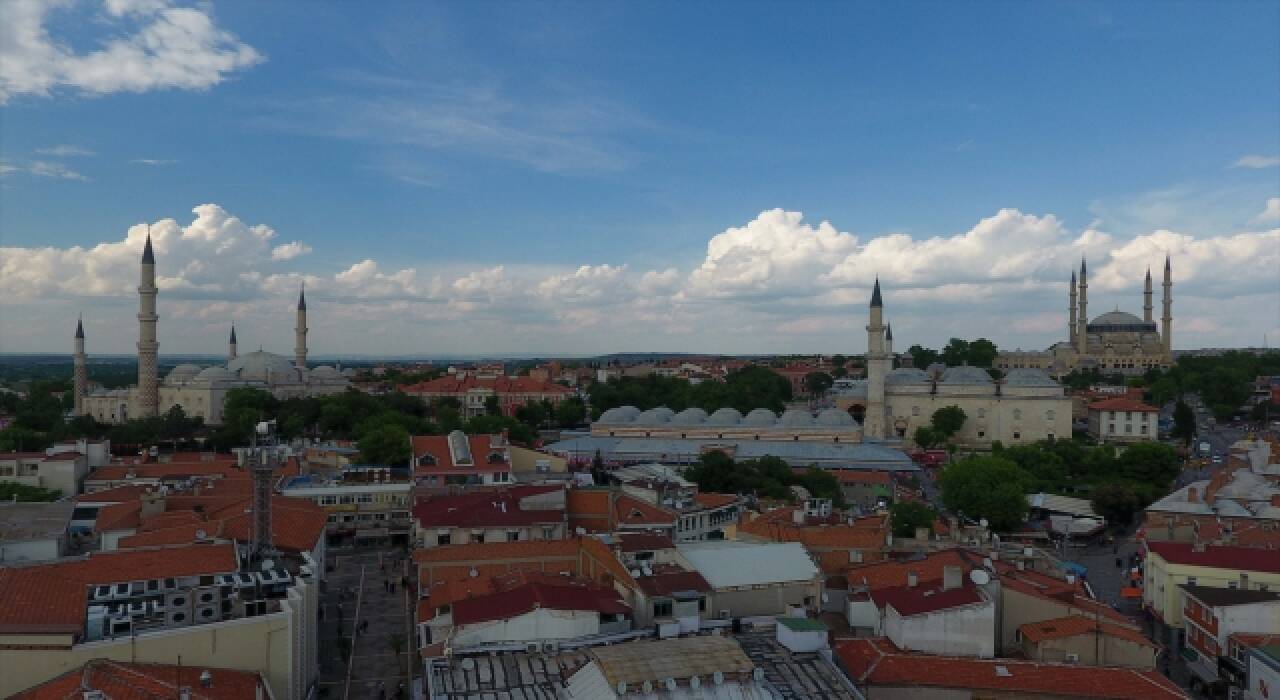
{"points": [[1218, 557], [590, 509], [119, 516], [859, 476], [115, 494], [925, 598], [629, 510], [876, 662], [498, 551], [486, 509], [133, 681], [715, 500], [1122, 404], [166, 471], [665, 582], [642, 541], [538, 594], [1076, 625], [482, 446], [500, 385], [50, 598]]}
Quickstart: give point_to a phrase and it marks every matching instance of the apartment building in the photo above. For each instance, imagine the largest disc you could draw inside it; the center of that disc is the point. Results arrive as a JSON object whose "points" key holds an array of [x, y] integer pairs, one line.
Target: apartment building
{"points": [[1171, 565], [1123, 420], [63, 471]]}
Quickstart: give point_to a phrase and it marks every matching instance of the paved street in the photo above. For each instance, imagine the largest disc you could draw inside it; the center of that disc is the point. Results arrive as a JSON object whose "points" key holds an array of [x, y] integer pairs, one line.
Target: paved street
{"points": [[378, 654]]}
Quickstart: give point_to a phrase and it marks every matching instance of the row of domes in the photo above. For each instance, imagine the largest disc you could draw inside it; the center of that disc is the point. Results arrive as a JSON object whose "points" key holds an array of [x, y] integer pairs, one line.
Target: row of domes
{"points": [[1029, 377], [727, 417], [255, 366]]}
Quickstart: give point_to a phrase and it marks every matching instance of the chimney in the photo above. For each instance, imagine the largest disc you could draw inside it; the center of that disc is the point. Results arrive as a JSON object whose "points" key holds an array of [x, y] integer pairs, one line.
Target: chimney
{"points": [[952, 577], [797, 516], [912, 579], [1193, 496], [1244, 581]]}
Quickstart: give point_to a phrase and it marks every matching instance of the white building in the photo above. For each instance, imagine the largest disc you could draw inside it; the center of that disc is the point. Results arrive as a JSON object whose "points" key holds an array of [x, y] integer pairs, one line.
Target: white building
{"points": [[954, 617], [754, 580], [1123, 420], [62, 471], [34, 531]]}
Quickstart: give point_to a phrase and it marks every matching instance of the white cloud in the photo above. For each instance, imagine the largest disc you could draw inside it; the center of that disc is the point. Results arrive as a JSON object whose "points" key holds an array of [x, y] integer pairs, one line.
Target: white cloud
{"points": [[290, 250], [151, 45], [6, 168], [154, 162], [65, 151], [1255, 161], [774, 284], [1270, 214], [42, 168]]}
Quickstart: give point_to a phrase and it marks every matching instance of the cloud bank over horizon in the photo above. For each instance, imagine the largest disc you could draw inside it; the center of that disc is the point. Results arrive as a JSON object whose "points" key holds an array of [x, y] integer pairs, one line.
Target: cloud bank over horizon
{"points": [[775, 284]]}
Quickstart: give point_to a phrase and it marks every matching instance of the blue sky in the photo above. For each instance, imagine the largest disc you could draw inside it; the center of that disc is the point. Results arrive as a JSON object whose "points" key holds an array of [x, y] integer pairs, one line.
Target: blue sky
{"points": [[551, 140]]}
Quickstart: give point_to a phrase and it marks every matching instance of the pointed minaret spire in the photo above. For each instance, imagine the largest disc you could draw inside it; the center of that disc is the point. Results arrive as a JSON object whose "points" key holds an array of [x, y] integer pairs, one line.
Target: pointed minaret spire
{"points": [[1146, 297], [148, 255], [302, 297], [79, 372], [232, 352], [1082, 320], [888, 331], [875, 294], [233, 334], [300, 332], [80, 328]]}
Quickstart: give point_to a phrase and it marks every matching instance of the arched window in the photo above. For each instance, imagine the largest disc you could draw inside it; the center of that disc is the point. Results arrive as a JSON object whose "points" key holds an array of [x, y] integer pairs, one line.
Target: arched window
{"points": [[426, 460], [1049, 414], [1017, 414], [982, 413]]}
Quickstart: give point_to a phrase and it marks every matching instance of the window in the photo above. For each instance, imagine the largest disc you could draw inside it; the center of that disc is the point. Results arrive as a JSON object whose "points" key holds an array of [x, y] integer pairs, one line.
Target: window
{"points": [[426, 460], [328, 500], [662, 608], [1143, 429], [513, 535], [982, 433], [444, 539], [1191, 580], [1017, 414], [1233, 584], [982, 413], [1049, 414], [1017, 435], [364, 498], [915, 410], [548, 533]]}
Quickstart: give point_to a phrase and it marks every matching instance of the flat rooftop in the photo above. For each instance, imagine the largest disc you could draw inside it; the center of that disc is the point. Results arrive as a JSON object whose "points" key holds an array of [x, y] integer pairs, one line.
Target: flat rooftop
{"points": [[21, 522]]}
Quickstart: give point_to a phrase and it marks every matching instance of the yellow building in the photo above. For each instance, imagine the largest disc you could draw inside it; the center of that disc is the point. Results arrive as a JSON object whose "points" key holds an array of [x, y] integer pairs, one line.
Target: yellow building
{"points": [[1173, 564]]}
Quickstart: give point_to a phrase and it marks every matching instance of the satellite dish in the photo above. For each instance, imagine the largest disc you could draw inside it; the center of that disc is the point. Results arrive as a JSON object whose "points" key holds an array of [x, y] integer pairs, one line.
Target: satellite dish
{"points": [[201, 534], [979, 577], [635, 573]]}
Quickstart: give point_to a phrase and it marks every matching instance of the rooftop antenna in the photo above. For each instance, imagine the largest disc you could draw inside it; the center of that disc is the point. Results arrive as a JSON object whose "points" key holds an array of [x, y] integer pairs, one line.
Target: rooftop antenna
{"points": [[263, 459]]}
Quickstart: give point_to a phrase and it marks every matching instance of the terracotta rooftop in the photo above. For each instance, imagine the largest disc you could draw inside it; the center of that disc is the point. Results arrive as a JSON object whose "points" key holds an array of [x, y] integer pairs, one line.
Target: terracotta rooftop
{"points": [[715, 500], [1218, 557], [501, 385], [672, 579], [482, 449], [486, 509], [115, 494], [1076, 625], [498, 551], [629, 510], [925, 597], [890, 574], [566, 595], [133, 681], [642, 541], [166, 470], [876, 662]]}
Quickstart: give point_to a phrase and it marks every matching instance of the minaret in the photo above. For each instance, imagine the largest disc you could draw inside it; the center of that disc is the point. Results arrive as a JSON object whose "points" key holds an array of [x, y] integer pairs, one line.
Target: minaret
{"points": [[877, 360], [1166, 321], [1071, 310], [80, 374], [1082, 326], [148, 348], [231, 349], [300, 332], [1146, 298], [888, 339]]}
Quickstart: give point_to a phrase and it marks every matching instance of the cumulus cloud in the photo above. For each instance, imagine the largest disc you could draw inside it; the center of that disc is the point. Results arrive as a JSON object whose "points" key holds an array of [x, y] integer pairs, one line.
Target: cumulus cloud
{"points": [[1270, 214], [774, 284], [1255, 162], [290, 250], [43, 168], [152, 45]]}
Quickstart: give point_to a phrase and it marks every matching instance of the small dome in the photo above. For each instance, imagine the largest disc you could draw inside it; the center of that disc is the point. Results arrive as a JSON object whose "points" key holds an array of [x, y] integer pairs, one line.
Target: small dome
{"points": [[907, 375], [656, 416], [1029, 376], [215, 374], [966, 375], [182, 373], [835, 418], [620, 414], [1116, 318], [760, 418], [725, 416], [795, 418], [257, 366], [690, 416]]}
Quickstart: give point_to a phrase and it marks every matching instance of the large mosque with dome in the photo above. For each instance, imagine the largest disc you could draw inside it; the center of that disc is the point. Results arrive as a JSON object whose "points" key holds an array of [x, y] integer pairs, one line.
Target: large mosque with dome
{"points": [[1116, 342], [200, 391]]}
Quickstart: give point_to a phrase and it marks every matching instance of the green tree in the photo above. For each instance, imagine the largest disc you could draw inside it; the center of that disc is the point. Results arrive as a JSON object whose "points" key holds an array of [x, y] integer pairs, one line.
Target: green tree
{"points": [[491, 406], [947, 421], [385, 444], [821, 484], [956, 352], [1117, 501], [906, 516], [987, 487], [1150, 463], [1184, 422], [10, 491], [926, 438], [922, 357], [982, 353], [817, 383], [570, 412], [532, 414]]}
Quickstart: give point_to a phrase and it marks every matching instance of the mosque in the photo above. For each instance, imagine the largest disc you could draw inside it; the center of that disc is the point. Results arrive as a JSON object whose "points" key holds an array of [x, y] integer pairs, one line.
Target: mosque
{"points": [[1116, 342], [199, 391]]}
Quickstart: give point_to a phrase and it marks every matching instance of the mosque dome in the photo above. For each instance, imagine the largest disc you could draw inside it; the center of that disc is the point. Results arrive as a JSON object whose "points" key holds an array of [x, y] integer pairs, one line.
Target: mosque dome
{"points": [[907, 375], [760, 417], [795, 418], [1116, 318], [261, 366], [656, 416], [690, 416], [725, 417], [966, 375], [835, 418], [215, 374], [325, 373], [182, 374], [1030, 377], [619, 414]]}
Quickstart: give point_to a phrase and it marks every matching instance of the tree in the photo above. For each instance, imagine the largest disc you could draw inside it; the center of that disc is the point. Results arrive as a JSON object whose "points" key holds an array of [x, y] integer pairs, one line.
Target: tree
{"points": [[956, 352], [926, 438], [1184, 422], [385, 444], [982, 353], [817, 383], [1149, 463], [1117, 502], [570, 412], [906, 516], [821, 484], [532, 414], [491, 406], [921, 356], [987, 487], [947, 421]]}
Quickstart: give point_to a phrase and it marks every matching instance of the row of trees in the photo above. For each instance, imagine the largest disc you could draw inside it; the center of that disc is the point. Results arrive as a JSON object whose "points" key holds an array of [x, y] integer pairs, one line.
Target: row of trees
{"points": [[957, 351], [744, 389], [995, 487], [767, 477]]}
